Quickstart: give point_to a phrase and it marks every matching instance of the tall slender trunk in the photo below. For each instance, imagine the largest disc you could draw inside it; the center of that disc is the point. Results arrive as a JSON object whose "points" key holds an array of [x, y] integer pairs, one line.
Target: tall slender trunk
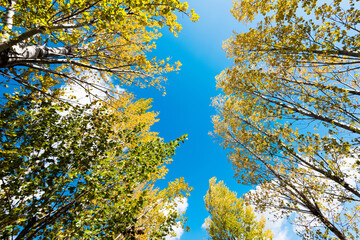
{"points": [[5, 33], [8, 21]]}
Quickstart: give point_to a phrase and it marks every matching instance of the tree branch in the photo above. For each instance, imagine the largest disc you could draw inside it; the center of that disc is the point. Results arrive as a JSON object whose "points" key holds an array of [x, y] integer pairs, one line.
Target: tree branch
{"points": [[47, 219], [311, 114], [26, 35]]}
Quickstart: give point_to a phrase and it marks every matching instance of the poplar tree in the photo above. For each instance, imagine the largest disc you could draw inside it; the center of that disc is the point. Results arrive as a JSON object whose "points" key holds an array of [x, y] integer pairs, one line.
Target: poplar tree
{"points": [[83, 172], [290, 111], [230, 218]]}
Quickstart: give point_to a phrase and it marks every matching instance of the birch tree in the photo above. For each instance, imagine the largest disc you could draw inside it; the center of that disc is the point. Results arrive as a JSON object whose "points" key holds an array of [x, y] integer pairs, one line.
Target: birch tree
{"points": [[47, 42], [289, 113], [230, 218], [83, 172]]}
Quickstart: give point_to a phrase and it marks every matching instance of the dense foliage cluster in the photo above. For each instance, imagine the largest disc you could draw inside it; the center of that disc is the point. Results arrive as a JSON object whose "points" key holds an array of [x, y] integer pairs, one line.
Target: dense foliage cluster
{"points": [[51, 41], [84, 171], [230, 217], [289, 113]]}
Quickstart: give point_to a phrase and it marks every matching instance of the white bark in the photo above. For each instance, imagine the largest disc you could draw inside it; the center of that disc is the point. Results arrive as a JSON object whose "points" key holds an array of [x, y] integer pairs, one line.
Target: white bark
{"points": [[33, 52], [8, 21]]}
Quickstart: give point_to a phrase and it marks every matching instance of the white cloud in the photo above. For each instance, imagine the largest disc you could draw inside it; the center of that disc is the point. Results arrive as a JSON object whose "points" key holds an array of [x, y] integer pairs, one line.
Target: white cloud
{"points": [[278, 226], [181, 207], [178, 230], [282, 235], [286, 227], [97, 88], [204, 225]]}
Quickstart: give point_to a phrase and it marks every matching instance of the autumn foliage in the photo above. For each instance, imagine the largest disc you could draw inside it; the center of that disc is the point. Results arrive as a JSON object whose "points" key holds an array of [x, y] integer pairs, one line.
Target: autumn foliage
{"points": [[72, 171], [289, 112], [48, 42]]}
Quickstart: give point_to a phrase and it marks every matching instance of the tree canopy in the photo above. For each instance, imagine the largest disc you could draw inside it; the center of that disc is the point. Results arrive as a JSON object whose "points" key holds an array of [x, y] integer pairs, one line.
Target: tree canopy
{"points": [[83, 172], [47, 42], [289, 113], [230, 218]]}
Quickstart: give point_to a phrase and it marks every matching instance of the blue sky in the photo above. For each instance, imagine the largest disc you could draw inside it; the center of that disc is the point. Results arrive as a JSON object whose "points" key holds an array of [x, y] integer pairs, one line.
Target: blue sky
{"points": [[186, 108]]}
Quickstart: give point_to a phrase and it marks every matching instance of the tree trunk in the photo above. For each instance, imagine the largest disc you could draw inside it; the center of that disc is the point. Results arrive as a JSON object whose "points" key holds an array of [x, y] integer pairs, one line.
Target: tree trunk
{"points": [[8, 21], [33, 52], [9, 57]]}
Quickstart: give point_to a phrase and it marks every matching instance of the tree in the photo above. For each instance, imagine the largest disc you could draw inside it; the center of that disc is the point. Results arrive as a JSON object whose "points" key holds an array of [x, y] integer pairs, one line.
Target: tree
{"points": [[230, 218], [159, 218], [81, 172], [290, 111], [46, 42]]}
